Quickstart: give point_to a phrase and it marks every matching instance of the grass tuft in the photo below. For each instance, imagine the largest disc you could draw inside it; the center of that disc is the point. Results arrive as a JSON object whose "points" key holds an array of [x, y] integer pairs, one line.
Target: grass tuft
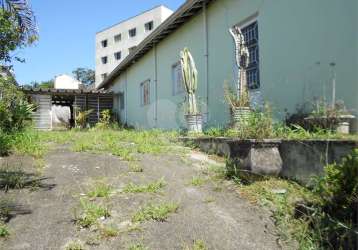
{"points": [[150, 188], [109, 231], [197, 245], [158, 212], [135, 167], [75, 245], [197, 181], [137, 246], [91, 212], [4, 231], [101, 190]]}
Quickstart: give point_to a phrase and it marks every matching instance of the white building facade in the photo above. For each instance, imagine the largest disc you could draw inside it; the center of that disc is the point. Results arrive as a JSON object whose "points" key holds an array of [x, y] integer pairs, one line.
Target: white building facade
{"points": [[116, 42]]}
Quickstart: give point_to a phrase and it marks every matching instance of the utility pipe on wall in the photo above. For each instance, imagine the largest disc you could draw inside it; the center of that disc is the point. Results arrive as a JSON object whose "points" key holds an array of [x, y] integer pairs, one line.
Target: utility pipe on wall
{"points": [[206, 55], [156, 86]]}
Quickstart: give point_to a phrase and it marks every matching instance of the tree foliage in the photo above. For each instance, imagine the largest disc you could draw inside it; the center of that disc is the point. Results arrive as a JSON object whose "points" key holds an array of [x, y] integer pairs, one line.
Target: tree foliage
{"points": [[17, 27], [84, 75], [15, 111]]}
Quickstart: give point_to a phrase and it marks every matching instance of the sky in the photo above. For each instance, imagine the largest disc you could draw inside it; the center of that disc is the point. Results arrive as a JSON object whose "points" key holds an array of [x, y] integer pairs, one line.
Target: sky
{"points": [[67, 34]]}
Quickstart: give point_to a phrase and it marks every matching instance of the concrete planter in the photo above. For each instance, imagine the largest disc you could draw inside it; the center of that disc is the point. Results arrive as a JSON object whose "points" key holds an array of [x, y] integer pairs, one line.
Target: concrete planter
{"points": [[240, 115], [298, 160], [194, 123], [339, 124]]}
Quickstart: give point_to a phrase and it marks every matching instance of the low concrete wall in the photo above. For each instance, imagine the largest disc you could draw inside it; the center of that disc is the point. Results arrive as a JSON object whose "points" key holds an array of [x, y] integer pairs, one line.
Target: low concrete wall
{"points": [[307, 158], [301, 159]]}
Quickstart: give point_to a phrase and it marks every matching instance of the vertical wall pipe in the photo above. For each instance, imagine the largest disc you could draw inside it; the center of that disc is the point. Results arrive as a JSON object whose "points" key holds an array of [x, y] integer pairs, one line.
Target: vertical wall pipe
{"points": [[206, 55], [156, 85]]}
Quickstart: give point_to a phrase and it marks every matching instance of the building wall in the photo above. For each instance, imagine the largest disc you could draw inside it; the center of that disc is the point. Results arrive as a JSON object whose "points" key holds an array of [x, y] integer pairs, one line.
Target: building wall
{"points": [[297, 41], [66, 82], [157, 15]]}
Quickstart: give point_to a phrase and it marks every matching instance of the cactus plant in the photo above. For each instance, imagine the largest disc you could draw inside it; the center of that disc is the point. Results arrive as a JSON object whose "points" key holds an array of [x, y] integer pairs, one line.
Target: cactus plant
{"points": [[190, 79]]}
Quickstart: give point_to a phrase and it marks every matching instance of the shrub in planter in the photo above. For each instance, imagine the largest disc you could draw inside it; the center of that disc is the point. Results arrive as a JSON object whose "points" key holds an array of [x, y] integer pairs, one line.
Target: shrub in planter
{"points": [[239, 105], [190, 80], [327, 116]]}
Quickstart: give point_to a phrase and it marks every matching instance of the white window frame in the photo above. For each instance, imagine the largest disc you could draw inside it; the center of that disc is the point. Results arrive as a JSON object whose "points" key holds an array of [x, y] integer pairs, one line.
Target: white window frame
{"points": [[144, 102], [177, 87]]}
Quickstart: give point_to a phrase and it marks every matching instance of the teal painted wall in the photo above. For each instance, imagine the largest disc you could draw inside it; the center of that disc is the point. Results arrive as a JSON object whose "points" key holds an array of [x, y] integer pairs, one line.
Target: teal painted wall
{"points": [[297, 39]]}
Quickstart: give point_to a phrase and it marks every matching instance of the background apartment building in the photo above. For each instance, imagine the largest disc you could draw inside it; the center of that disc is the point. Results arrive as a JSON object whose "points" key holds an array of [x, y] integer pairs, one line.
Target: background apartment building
{"points": [[116, 42]]}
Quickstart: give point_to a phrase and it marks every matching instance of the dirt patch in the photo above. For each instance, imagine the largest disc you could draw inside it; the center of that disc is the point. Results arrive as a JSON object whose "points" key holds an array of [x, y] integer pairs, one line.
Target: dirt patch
{"points": [[220, 218]]}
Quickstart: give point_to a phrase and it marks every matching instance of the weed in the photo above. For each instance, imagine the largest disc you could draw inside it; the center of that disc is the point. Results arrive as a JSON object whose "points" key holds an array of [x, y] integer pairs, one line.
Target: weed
{"points": [[91, 212], [197, 181], [283, 207], [209, 199], [197, 245], [158, 212], [75, 245], [4, 231], [135, 167], [100, 189], [150, 188], [109, 231], [16, 178], [137, 246]]}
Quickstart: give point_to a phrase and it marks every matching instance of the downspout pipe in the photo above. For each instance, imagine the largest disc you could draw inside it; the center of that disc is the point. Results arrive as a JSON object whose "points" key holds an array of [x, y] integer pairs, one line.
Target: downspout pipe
{"points": [[156, 85], [206, 55], [126, 98]]}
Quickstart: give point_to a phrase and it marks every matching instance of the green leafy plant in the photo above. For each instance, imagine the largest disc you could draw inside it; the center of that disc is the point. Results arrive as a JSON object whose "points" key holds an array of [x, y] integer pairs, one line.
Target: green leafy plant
{"points": [[233, 99], [338, 189], [75, 245], [15, 111], [150, 188], [4, 231], [100, 189], [105, 120], [81, 118], [158, 212], [91, 212]]}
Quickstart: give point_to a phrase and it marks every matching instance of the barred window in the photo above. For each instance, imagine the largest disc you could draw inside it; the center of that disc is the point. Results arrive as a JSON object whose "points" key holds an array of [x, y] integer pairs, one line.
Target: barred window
{"points": [[177, 77], [145, 93], [251, 36]]}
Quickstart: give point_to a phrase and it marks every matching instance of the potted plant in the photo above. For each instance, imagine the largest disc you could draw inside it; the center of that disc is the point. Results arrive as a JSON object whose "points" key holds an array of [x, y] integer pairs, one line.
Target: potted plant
{"points": [[239, 105], [239, 100], [333, 116], [193, 117]]}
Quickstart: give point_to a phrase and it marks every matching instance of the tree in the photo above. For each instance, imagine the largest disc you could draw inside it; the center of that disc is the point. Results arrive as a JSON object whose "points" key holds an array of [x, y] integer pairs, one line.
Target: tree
{"points": [[84, 75], [17, 27], [44, 84]]}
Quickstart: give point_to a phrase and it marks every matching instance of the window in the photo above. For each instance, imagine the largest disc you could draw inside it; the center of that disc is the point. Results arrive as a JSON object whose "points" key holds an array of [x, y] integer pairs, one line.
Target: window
{"points": [[132, 32], [104, 43], [177, 77], [144, 93], [117, 38], [118, 55], [121, 101], [131, 49], [104, 60], [104, 76], [251, 36], [149, 26]]}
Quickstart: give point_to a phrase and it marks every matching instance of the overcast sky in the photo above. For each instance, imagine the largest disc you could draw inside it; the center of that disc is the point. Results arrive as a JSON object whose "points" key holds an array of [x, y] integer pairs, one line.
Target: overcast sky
{"points": [[67, 34]]}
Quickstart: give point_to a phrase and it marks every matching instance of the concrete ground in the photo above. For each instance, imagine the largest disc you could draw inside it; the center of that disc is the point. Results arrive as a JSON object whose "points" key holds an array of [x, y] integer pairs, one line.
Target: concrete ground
{"points": [[214, 213]]}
